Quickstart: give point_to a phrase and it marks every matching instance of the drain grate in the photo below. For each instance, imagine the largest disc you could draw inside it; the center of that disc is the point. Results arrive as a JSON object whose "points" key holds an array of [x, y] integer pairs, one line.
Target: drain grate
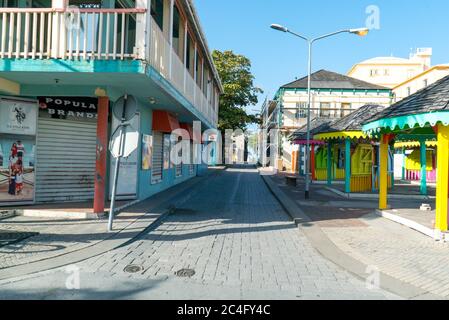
{"points": [[133, 268], [185, 273]]}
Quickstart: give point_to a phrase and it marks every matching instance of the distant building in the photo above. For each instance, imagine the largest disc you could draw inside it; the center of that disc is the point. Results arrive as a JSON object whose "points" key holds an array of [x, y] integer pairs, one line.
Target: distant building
{"points": [[403, 76], [420, 81], [333, 96], [392, 71]]}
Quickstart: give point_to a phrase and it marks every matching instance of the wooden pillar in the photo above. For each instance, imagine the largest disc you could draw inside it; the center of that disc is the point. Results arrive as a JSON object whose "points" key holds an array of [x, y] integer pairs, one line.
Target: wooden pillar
{"points": [[313, 162], [347, 165], [441, 220], [423, 159], [383, 176], [102, 148], [329, 163]]}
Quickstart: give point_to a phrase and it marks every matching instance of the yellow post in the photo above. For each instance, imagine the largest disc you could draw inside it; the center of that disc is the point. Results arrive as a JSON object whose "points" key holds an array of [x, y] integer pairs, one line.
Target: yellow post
{"points": [[442, 178], [383, 176]]}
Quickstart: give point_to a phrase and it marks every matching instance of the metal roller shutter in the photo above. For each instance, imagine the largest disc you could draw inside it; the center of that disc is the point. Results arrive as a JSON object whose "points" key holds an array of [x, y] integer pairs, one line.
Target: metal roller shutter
{"points": [[66, 152], [156, 169]]}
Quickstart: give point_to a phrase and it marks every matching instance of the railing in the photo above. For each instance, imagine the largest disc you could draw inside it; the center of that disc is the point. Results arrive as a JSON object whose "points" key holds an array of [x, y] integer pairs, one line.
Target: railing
{"points": [[67, 34], [167, 62], [97, 34]]}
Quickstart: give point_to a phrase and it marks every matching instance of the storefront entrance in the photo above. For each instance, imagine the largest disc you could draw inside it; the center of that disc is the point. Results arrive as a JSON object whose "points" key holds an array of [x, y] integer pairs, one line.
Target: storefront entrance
{"points": [[66, 149]]}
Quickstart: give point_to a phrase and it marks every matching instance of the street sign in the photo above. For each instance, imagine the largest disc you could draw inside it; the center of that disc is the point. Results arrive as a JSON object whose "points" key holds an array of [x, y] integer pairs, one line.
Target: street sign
{"points": [[125, 108], [123, 142], [130, 142]]}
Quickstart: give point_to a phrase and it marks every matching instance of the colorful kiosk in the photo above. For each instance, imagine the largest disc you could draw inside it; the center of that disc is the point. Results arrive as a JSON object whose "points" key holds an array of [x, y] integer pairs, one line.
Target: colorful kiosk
{"points": [[346, 140], [421, 117], [299, 137], [411, 164]]}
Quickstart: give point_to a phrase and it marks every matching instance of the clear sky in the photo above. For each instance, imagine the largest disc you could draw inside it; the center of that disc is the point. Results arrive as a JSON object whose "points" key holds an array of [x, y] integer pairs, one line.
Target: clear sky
{"points": [[277, 58]]}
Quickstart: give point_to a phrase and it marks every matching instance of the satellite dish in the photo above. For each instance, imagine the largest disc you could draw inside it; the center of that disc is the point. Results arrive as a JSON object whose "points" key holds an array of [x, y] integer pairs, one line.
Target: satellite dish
{"points": [[125, 108]]}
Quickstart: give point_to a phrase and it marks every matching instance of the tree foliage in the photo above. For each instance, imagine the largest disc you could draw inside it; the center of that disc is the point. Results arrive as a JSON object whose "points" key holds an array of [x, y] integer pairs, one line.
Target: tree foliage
{"points": [[239, 90]]}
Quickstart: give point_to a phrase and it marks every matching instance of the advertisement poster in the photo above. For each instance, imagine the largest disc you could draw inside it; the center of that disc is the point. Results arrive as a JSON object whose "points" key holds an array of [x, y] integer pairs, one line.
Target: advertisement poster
{"points": [[128, 172], [147, 151], [18, 121]]}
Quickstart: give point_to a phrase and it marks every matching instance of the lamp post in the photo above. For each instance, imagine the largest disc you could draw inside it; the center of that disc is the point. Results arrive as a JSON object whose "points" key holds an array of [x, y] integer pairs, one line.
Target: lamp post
{"points": [[360, 32]]}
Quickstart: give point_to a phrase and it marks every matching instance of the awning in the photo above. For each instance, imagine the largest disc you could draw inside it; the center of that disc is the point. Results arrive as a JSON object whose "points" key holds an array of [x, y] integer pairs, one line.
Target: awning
{"points": [[187, 127], [414, 144], [312, 142], [164, 121], [340, 135]]}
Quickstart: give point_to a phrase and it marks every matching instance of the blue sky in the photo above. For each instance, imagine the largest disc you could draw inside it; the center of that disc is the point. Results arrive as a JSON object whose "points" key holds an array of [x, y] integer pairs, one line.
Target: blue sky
{"points": [[277, 58]]}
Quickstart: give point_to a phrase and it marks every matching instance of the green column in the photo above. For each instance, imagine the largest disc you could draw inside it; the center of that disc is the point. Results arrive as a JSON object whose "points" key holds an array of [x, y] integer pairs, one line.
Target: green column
{"points": [[423, 167], [347, 165], [329, 163]]}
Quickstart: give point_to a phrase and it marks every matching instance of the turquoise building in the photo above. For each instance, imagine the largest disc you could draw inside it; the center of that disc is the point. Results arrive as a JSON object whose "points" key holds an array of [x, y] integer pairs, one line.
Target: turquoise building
{"points": [[64, 63]]}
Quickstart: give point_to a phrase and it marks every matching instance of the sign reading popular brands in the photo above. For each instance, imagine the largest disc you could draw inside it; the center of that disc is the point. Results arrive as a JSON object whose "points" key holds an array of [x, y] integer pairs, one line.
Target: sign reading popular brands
{"points": [[69, 107], [18, 117]]}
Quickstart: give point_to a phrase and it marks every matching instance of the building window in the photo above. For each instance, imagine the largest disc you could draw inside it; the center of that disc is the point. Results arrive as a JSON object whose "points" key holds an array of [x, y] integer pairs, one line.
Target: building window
{"points": [[425, 83], [176, 31], [346, 109], [374, 72], [325, 110], [301, 110], [157, 12], [386, 72], [409, 91]]}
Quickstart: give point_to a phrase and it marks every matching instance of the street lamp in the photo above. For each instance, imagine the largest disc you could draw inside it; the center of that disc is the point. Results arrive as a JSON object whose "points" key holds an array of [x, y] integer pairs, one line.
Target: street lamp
{"points": [[360, 32]]}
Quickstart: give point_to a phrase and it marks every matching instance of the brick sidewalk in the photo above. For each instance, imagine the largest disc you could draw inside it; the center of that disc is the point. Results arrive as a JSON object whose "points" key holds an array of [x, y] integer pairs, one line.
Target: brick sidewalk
{"points": [[395, 250], [64, 236]]}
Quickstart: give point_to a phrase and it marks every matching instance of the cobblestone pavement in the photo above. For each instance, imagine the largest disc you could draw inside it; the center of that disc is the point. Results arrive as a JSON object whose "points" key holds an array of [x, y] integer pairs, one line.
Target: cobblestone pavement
{"points": [[61, 236], [394, 249], [235, 236]]}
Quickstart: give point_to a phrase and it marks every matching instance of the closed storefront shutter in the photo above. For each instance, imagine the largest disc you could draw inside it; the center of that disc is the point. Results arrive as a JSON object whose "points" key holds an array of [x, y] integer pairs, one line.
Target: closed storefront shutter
{"points": [[156, 173], [192, 157], [178, 167], [66, 152]]}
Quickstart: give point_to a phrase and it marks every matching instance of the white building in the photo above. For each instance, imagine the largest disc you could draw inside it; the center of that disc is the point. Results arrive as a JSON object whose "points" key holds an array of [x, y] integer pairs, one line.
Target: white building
{"points": [[333, 96]]}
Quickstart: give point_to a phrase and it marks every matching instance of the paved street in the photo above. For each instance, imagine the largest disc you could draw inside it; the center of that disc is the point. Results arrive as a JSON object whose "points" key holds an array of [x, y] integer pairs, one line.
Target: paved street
{"points": [[232, 232], [394, 249]]}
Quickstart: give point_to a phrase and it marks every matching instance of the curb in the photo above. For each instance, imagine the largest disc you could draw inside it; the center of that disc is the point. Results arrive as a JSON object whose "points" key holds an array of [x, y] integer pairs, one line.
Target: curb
{"points": [[321, 242], [115, 241], [375, 196]]}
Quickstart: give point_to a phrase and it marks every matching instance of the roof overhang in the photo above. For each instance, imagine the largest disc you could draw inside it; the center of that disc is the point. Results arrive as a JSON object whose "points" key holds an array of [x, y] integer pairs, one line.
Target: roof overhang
{"points": [[413, 123], [340, 135]]}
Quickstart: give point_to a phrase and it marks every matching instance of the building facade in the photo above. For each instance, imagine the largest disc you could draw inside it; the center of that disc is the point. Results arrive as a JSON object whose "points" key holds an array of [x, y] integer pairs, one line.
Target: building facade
{"points": [[333, 96], [63, 65], [392, 71], [420, 81]]}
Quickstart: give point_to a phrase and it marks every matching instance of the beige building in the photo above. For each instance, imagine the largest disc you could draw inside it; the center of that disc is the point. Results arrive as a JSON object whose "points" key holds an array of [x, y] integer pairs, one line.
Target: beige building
{"points": [[333, 96], [422, 80], [392, 71]]}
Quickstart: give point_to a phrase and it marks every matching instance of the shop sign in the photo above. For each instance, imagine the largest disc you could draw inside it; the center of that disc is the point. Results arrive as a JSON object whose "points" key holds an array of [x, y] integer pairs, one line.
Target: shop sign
{"points": [[69, 107]]}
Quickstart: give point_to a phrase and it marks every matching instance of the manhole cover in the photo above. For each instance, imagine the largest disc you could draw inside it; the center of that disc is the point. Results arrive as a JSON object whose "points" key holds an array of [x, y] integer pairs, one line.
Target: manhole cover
{"points": [[11, 237], [185, 273], [132, 268]]}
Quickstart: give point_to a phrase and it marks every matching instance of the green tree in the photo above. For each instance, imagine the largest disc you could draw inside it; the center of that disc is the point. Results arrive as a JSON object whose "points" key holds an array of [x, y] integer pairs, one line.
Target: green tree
{"points": [[239, 90]]}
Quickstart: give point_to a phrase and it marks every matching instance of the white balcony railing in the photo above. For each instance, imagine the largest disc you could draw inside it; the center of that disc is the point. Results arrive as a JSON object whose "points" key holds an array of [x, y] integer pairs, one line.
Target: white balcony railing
{"points": [[97, 34]]}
